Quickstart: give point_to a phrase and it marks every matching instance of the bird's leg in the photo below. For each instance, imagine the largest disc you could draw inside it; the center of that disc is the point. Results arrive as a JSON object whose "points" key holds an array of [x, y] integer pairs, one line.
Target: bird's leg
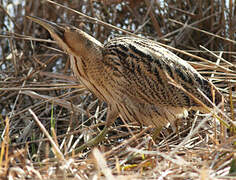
{"points": [[93, 141], [111, 117]]}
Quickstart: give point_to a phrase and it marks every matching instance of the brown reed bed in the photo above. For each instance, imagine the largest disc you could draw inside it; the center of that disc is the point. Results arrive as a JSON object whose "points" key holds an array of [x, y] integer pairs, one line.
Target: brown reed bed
{"points": [[46, 113]]}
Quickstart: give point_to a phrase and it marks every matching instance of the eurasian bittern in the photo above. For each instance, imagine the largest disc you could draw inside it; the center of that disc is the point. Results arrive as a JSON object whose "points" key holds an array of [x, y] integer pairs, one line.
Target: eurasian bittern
{"points": [[138, 79]]}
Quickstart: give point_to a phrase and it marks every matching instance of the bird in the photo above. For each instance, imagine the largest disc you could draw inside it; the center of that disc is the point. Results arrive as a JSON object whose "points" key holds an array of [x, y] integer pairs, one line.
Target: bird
{"points": [[139, 79]]}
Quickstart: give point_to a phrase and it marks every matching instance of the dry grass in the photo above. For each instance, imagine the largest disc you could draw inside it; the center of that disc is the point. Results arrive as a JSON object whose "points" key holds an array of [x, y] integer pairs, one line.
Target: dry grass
{"points": [[45, 113]]}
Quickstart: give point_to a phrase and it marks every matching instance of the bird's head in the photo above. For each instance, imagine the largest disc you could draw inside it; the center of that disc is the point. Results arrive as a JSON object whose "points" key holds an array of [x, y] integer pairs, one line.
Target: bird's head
{"points": [[71, 39]]}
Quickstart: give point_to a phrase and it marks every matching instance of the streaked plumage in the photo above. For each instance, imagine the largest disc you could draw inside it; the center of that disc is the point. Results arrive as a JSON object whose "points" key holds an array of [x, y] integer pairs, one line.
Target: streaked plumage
{"points": [[133, 76]]}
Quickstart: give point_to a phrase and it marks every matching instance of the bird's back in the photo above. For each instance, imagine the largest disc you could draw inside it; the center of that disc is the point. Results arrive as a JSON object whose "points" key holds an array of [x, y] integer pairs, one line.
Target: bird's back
{"points": [[142, 72]]}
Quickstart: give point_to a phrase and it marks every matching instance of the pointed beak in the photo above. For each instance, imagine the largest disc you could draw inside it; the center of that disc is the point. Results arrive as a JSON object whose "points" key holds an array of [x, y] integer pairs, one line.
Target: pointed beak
{"points": [[57, 32], [54, 29]]}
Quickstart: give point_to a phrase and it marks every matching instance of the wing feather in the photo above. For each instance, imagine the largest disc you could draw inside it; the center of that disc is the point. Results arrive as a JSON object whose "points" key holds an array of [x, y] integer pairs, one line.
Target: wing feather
{"points": [[144, 69]]}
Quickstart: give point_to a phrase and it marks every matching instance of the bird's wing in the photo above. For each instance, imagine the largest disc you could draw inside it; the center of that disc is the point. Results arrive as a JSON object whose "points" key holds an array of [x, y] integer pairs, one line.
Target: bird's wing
{"points": [[144, 71]]}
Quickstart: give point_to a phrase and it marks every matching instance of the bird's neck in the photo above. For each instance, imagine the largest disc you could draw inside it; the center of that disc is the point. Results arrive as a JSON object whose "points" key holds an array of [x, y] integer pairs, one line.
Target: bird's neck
{"points": [[92, 52]]}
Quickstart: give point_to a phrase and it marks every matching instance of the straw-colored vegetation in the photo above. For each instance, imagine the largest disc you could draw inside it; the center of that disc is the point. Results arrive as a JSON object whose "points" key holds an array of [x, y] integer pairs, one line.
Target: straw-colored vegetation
{"points": [[45, 113]]}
